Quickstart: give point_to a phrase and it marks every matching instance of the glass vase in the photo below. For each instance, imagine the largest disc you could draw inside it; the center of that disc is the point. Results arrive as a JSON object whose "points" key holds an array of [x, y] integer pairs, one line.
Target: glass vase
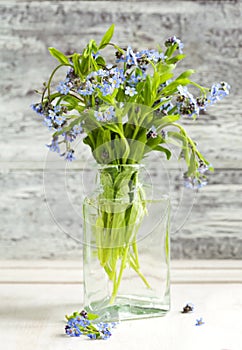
{"points": [[126, 246]]}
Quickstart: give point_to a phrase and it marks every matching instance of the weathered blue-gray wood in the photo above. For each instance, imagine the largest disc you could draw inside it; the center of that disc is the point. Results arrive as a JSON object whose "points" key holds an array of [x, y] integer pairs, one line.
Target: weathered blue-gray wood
{"points": [[212, 33]]}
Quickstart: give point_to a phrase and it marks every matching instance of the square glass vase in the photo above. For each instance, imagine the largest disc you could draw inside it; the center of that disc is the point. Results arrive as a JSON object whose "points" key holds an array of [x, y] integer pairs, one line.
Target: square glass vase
{"points": [[126, 257]]}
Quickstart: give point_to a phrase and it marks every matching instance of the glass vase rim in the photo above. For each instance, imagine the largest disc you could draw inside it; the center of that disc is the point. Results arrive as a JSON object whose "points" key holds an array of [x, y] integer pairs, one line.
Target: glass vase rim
{"points": [[107, 166], [89, 200]]}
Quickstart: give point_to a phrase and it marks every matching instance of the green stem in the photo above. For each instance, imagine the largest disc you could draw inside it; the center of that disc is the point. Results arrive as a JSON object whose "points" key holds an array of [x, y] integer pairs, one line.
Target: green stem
{"points": [[135, 250], [119, 229], [122, 267], [192, 144], [109, 271], [74, 94], [203, 89], [51, 77], [137, 270]]}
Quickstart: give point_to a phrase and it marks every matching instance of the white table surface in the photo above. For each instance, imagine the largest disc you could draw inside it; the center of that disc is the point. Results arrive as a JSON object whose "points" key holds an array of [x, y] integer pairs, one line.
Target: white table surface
{"points": [[35, 296]]}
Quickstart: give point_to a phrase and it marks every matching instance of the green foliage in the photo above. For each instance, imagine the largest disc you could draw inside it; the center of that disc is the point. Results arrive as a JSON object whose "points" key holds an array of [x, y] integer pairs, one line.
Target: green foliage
{"points": [[126, 138], [58, 55], [76, 64], [106, 38], [186, 74], [175, 59], [75, 314]]}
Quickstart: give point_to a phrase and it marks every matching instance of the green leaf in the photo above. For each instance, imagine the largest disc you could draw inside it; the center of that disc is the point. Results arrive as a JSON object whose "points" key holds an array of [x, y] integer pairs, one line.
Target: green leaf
{"points": [[168, 119], [152, 143], [186, 74], [76, 63], [170, 50], [210, 167], [72, 101], [192, 166], [184, 81], [58, 55], [185, 147], [106, 38], [92, 46], [148, 91], [161, 104], [156, 82], [164, 150], [72, 316], [171, 88], [93, 63], [52, 97], [175, 59], [165, 76], [86, 52], [115, 128], [100, 61], [88, 141], [164, 68], [92, 316], [108, 98]]}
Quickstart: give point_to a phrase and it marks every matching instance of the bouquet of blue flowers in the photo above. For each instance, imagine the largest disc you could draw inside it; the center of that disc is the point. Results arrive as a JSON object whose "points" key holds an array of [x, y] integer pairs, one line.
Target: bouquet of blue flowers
{"points": [[124, 109]]}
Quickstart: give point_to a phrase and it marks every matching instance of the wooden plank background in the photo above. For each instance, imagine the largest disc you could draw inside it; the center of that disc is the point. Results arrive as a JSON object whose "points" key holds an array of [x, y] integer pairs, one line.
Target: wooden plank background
{"points": [[32, 220]]}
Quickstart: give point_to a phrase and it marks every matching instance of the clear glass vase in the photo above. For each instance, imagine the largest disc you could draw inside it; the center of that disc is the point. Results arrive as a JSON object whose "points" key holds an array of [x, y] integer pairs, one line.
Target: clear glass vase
{"points": [[126, 246]]}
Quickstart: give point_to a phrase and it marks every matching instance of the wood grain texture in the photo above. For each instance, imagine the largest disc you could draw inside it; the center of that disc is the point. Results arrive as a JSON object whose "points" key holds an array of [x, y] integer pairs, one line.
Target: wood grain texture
{"points": [[35, 227], [70, 272], [204, 225]]}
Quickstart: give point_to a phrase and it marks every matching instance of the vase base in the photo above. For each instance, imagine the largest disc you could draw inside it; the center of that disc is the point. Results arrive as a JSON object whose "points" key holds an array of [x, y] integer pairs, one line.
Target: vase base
{"points": [[127, 309]]}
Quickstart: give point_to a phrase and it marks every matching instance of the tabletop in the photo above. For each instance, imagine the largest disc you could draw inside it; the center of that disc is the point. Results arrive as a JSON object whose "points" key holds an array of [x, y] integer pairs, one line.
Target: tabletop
{"points": [[36, 295]]}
